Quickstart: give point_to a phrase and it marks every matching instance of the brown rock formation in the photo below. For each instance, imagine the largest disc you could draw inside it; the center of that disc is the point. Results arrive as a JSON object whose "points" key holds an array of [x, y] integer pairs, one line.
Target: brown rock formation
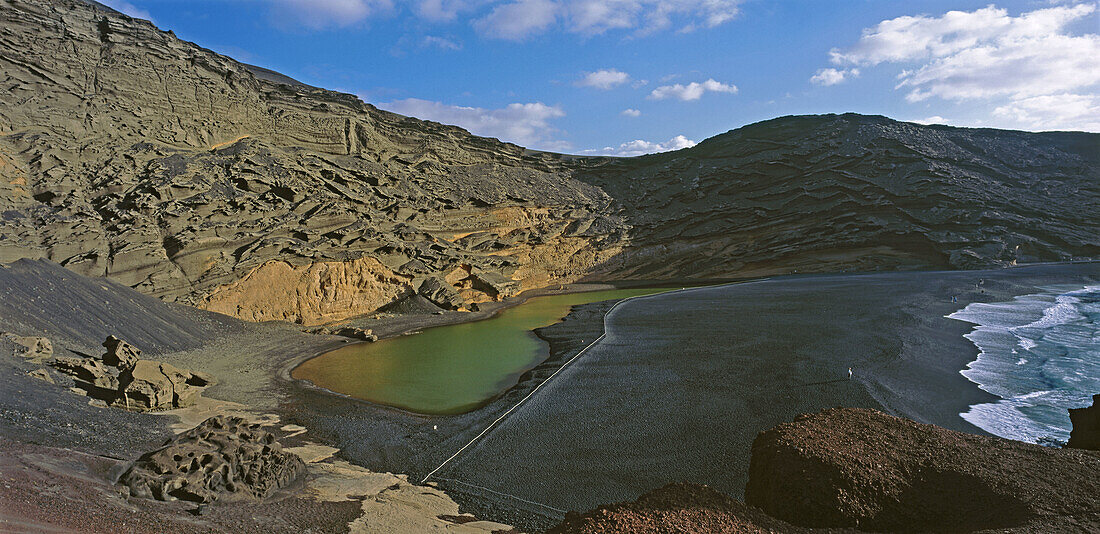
{"points": [[849, 467], [221, 457], [34, 348], [1086, 426], [120, 353], [119, 377], [680, 508], [150, 385]]}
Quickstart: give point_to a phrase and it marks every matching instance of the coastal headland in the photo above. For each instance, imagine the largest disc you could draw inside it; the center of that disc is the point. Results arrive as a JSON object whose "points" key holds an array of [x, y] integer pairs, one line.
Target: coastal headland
{"points": [[231, 223]]}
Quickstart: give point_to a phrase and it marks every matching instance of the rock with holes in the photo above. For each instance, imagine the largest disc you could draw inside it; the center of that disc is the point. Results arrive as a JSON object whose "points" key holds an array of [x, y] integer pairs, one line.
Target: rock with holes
{"points": [[89, 374], [221, 458]]}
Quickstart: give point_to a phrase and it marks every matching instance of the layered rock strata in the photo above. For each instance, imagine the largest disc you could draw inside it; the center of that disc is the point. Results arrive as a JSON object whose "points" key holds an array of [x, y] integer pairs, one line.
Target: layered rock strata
{"points": [[128, 153]]}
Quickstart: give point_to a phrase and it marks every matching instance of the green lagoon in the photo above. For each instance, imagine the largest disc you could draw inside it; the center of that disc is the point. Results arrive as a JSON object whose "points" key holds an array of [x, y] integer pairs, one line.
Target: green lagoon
{"points": [[449, 369]]}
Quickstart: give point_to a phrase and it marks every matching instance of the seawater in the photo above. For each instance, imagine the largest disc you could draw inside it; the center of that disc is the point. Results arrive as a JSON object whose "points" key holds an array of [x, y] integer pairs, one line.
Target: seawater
{"points": [[1040, 353]]}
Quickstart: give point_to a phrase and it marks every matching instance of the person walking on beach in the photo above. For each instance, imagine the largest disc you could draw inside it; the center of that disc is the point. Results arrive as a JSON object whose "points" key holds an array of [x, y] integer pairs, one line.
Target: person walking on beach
{"points": [[849, 373]]}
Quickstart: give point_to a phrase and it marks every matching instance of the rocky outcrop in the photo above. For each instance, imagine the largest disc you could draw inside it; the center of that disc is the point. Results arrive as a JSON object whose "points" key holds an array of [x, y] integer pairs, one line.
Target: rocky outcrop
{"points": [[1086, 426], [857, 470], [223, 457], [353, 332], [128, 153], [440, 293], [35, 349], [120, 378], [190, 178], [120, 353], [308, 294], [150, 385], [850, 467], [674, 508]]}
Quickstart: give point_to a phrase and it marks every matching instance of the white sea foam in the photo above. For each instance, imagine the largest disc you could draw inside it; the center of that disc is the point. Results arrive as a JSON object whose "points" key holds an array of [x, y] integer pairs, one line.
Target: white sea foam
{"points": [[1040, 354]]}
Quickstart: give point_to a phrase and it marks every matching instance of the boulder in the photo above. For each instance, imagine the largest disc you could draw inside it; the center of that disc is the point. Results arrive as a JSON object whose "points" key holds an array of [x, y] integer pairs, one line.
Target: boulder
{"points": [[223, 457], [34, 348], [1086, 426], [41, 374], [152, 385], [355, 332], [122, 379], [677, 507], [120, 353], [849, 467], [440, 293], [88, 371]]}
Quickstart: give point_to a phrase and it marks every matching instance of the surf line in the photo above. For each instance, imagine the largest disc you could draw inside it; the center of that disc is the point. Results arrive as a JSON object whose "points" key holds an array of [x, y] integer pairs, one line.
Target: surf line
{"points": [[551, 377]]}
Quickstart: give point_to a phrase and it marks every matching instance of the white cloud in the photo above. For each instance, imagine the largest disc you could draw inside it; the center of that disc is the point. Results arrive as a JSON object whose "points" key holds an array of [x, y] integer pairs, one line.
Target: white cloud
{"points": [[691, 91], [1054, 112], [519, 19], [1029, 67], [444, 10], [935, 119], [127, 8], [833, 76], [321, 14], [524, 124], [630, 112], [516, 21], [638, 147], [603, 79], [442, 43]]}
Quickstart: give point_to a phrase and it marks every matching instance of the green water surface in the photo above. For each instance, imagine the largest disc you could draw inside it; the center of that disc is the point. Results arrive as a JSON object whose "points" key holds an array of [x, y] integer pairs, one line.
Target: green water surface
{"points": [[449, 369]]}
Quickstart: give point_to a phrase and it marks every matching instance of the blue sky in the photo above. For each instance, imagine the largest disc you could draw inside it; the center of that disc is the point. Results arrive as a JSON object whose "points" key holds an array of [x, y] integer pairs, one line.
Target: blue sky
{"points": [[633, 76]]}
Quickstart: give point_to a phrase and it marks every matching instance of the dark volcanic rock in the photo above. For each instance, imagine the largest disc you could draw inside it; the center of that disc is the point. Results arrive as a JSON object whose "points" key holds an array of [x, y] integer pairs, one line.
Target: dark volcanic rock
{"points": [[223, 456], [1086, 426], [686, 508], [850, 467]]}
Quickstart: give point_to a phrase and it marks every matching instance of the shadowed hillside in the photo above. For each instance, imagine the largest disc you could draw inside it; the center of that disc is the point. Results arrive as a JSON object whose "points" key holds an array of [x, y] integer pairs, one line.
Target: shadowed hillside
{"points": [[833, 192], [128, 153]]}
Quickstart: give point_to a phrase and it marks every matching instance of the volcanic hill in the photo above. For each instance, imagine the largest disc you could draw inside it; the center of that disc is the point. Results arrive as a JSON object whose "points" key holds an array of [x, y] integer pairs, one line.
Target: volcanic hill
{"points": [[128, 153]]}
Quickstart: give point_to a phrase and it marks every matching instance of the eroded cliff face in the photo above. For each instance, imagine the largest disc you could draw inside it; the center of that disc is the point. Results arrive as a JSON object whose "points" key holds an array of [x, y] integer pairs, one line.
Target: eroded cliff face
{"points": [[128, 153], [313, 293]]}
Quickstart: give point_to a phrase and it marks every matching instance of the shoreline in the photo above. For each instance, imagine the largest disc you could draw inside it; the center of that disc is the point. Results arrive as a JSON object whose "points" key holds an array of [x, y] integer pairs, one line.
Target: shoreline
{"points": [[908, 365], [253, 363]]}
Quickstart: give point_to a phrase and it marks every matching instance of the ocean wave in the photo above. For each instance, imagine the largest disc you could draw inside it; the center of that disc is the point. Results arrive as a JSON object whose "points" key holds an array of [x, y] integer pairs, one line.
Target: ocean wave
{"points": [[1040, 354]]}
